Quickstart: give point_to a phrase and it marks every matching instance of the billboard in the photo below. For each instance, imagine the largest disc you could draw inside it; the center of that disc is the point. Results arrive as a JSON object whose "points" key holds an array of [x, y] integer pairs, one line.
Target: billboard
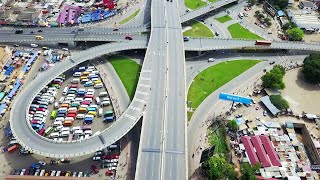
{"points": [[235, 98]]}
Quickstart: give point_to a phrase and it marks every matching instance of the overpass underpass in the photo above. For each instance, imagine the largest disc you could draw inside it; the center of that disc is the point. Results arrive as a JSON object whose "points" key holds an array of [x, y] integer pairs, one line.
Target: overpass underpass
{"points": [[29, 139]]}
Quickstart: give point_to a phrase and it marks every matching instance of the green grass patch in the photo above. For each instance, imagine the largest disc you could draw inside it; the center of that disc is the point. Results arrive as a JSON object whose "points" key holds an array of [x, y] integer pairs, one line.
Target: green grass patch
{"points": [[130, 17], [128, 71], [217, 138], [194, 4], [237, 31], [198, 30], [224, 19], [214, 77], [189, 114]]}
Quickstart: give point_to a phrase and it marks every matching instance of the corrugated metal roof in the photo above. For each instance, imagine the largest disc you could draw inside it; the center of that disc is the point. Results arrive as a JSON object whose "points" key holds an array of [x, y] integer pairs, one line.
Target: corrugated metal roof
{"points": [[266, 101]]}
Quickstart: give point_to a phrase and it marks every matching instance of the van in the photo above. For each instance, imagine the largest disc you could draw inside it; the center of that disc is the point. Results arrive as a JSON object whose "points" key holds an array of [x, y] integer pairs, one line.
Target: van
{"points": [[80, 116], [78, 99], [97, 82], [65, 91], [88, 99], [67, 123], [83, 81], [63, 109], [53, 114], [72, 109], [69, 99], [44, 103], [89, 116], [65, 129], [82, 110], [92, 113], [78, 132], [73, 129], [71, 95], [65, 49], [88, 132], [83, 77], [86, 127], [77, 74], [56, 105], [65, 105], [95, 79], [65, 134], [57, 123], [85, 73], [69, 119], [59, 119], [61, 100], [55, 135], [75, 81], [100, 112], [57, 129], [105, 103], [240, 15], [103, 94], [98, 86]]}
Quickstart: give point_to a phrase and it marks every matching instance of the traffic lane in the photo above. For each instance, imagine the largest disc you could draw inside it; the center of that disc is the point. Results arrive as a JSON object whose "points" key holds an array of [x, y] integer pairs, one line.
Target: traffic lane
{"points": [[152, 125]]}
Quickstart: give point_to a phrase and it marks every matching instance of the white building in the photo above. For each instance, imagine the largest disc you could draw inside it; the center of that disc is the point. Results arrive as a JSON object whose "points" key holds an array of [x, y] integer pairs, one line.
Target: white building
{"points": [[307, 22]]}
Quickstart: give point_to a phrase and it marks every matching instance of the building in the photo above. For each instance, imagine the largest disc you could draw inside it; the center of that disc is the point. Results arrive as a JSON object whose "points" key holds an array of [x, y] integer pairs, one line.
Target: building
{"points": [[307, 6], [5, 55], [5, 16], [266, 101], [69, 15], [307, 22]]}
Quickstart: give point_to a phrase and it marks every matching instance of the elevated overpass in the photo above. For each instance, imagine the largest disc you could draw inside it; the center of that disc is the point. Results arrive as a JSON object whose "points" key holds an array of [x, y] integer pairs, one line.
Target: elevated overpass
{"points": [[206, 44], [29, 139]]}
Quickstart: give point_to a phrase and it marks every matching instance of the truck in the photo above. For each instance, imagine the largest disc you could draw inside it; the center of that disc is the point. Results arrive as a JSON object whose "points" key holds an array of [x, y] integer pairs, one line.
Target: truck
{"points": [[263, 42]]}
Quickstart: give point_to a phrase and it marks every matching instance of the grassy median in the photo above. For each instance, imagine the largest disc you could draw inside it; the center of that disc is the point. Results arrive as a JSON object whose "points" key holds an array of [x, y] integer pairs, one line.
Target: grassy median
{"points": [[198, 30], [224, 19], [128, 71], [213, 78], [130, 17], [237, 31], [194, 4]]}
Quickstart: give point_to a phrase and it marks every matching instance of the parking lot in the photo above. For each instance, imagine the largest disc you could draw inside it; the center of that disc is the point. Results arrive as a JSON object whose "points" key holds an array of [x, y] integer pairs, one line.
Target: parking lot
{"points": [[79, 101]]}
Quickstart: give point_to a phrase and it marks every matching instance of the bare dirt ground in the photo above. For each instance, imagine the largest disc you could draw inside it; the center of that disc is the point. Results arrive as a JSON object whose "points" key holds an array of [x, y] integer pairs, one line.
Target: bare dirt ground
{"points": [[301, 95]]}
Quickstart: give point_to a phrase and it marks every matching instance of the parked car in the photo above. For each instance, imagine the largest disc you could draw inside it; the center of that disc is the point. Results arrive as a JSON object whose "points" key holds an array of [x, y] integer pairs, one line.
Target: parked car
{"points": [[96, 158], [94, 168]]}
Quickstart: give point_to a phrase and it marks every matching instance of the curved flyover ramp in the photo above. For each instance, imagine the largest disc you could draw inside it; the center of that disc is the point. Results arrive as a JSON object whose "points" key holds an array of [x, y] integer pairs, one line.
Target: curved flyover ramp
{"points": [[29, 139]]}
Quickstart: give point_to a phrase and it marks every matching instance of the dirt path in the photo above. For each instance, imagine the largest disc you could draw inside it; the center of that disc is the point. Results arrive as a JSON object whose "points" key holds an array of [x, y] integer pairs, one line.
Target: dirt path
{"points": [[301, 95]]}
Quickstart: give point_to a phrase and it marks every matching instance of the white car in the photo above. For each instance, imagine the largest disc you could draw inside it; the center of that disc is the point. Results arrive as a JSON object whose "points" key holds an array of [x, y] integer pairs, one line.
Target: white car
{"points": [[264, 113], [96, 158], [80, 174]]}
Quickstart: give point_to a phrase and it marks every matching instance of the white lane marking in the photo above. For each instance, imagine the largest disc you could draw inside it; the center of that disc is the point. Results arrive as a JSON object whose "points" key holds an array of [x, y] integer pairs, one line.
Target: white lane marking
{"points": [[144, 78], [144, 93], [144, 85], [128, 116], [135, 108], [140, 100]]}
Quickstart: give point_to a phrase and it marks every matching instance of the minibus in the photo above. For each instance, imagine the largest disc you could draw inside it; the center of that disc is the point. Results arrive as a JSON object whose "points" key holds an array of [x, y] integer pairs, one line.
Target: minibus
{"points": [[80, 116], [77, 74], [48, 131], [54, 135], [67, 123], [57, 123], [103, 94], [86, 127]]}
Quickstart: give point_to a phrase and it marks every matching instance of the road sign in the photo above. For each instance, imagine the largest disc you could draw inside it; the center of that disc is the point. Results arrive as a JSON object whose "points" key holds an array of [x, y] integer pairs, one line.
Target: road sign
{"points": [[235, 98]]}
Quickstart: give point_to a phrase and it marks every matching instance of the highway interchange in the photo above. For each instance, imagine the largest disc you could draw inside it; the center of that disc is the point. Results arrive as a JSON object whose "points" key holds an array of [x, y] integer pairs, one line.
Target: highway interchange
{"points": [[160, 97]]}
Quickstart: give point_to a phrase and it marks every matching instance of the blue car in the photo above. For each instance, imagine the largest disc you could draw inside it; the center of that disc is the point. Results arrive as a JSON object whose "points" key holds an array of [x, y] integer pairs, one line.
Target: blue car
{"points": [[88, 84], [35, 166]]}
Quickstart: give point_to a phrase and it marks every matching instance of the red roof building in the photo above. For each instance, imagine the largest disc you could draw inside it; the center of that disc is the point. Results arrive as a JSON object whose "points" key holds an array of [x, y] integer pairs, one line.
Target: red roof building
{"points": [[270, 150], [262, 155], [249, 149]]}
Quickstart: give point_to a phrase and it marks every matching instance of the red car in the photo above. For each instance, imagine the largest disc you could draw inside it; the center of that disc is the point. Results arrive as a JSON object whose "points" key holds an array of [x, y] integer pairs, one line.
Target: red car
{"points": [[73, 86], [109, 173], [128, 38], [94, 168]]}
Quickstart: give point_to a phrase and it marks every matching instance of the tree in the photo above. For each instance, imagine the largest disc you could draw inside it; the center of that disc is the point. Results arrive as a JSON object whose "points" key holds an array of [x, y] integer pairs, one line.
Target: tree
{"points": [[282, 4], [274, 78], [233, 126], [251, 2], [216, 167], [279, 102], [248, 171], [311, 68], [267, 21], [295, 34], [261, 16], [256, 13]]}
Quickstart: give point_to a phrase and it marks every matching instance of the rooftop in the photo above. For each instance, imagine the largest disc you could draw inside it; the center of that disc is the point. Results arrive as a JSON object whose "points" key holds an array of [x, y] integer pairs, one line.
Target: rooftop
{"points": [[266, 101]]}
